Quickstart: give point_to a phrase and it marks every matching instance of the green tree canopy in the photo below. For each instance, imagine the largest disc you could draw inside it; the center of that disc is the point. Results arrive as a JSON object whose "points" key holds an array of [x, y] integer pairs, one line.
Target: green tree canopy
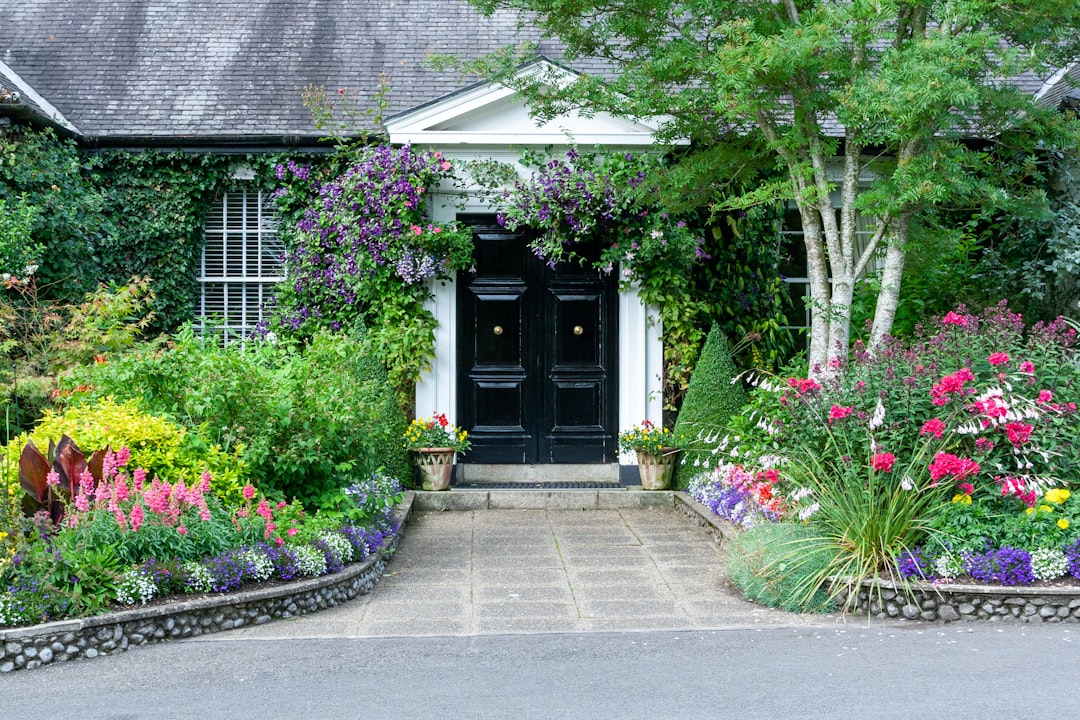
{"points": [[888, 109]]}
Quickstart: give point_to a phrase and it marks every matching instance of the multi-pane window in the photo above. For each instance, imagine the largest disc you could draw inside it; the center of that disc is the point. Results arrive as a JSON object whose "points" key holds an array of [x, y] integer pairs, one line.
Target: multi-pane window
{"points": [[793, 266], [242, 261]]}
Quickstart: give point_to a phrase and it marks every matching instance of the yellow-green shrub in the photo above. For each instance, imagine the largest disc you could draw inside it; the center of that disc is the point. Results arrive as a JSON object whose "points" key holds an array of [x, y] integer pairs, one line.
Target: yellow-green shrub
{"points": [[160, 446]]}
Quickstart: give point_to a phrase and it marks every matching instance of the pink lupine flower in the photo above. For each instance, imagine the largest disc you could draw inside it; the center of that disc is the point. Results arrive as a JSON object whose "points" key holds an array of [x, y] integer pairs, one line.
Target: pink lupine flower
{"points": [[263, 509], [86, 483], [204, 486], [139, 478], [121, 519], [82, 503], [120, 488]]}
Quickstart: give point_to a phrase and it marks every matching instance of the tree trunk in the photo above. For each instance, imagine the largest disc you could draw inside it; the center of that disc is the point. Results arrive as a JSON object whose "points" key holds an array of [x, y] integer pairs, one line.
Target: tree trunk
{"points": [[889, 295]]}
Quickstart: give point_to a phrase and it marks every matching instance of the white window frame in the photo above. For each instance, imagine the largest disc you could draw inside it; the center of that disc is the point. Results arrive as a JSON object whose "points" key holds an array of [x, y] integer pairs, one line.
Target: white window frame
{"points": [[241, 305]]}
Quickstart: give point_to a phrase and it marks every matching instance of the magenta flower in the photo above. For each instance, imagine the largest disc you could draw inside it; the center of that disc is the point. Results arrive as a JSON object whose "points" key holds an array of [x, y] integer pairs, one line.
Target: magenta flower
{"points": [[933, 427], [837, 412], [883, 462], [1045, 396], [951, 318], [1027, 367], [248, 492], [1018, 432], [998, 358]]}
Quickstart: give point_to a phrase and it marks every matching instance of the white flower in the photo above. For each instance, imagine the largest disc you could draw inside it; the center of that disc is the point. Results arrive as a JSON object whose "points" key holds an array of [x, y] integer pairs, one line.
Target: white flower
{"points": [[907, 483], [879, 416], [808, 511]]}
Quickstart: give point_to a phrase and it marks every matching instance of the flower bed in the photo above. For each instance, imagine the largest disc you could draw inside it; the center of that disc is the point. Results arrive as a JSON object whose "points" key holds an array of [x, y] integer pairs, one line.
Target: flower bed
{"points": [[36, 645]]}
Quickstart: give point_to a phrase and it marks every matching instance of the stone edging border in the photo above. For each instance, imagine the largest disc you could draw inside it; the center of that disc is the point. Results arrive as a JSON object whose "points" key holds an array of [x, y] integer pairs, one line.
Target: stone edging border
{"points": [[36, 645], [931, 602]]}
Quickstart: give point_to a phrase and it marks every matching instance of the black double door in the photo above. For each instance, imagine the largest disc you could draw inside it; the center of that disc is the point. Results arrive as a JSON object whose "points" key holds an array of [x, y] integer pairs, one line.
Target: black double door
{"points": [[536, 356]]}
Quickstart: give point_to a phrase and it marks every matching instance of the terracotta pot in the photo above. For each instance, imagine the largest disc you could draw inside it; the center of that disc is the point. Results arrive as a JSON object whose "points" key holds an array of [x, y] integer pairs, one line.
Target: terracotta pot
{"points": [[436, 467], [656, 468]]}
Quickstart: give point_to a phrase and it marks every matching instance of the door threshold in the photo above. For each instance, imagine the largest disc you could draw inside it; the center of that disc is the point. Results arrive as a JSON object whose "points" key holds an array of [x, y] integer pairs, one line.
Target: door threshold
{"points": [[576, 475]]}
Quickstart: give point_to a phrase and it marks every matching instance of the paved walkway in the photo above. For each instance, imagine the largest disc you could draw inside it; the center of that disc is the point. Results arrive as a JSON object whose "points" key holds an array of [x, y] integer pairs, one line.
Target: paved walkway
{"points": [[509, 571]]}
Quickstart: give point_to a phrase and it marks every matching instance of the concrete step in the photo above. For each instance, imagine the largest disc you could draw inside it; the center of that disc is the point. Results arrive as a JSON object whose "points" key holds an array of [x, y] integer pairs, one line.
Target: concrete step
{"points": [[470, 499], [532, 474]]}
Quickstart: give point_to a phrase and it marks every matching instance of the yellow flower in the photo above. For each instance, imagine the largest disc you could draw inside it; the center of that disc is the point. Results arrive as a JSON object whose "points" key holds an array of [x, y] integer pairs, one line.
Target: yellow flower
{"points": [[962, 498], [1045, 508], [1057, 495], [1063, 524], [1029, 511]]}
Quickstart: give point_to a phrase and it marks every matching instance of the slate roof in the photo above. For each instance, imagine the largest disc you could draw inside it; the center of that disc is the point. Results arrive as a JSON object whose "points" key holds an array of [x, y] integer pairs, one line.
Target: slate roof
{"points": [[222, 72], [162, 69]]}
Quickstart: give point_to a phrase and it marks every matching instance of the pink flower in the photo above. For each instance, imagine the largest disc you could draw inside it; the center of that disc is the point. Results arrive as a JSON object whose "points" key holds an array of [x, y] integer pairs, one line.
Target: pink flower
{"points": [[204, 486], [280, 505], [123, 455], [444, 165], [280, 542], [248, 492], [984, 444], [264, 510], [933, 427], [966, 488], [951, 318], [1045, 396], [1027, 367], [998, 358], [883, 462], [82, 502], [270, 528], [948, 464], [136, 517], [803, 385], [1018, 432], [139, 478], [291, 531], [837, 412], [992, 407], [416, 229], [181, 530], [951, 385], [121, 520], [52, 479]]}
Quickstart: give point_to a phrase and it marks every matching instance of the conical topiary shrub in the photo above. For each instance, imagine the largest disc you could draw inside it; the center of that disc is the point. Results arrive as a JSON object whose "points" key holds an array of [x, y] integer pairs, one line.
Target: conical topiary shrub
{"points": [[711, 400]]}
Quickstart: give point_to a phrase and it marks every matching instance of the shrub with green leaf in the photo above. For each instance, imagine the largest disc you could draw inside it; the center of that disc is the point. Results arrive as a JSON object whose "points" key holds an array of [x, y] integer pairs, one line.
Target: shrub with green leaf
{"points": [[307, 421], [157, 444], [714, 396]]}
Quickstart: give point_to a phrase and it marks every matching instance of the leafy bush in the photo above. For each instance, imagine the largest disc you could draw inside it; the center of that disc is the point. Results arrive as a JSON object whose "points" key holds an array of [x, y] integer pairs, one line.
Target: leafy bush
{"points": [[773, 563], [306, 422], [711, 400], [980, 409], [158, 445]]}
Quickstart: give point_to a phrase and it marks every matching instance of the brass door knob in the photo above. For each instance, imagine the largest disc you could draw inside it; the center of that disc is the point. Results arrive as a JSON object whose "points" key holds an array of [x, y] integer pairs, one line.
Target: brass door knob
{"points": [[578, 329], [498, 330]]}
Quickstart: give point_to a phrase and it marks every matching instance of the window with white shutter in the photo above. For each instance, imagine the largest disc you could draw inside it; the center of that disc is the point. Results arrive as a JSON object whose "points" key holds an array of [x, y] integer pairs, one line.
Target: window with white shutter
{"points": [[242, 261]]}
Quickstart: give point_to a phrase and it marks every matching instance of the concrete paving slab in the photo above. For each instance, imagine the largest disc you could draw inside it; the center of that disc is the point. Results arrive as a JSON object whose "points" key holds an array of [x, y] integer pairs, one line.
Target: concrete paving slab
{"points": [[544, 569]]}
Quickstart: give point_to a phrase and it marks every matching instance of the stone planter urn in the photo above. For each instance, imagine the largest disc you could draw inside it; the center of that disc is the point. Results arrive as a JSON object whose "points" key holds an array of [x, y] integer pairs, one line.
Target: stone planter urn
{"points": [[436, 467], [656, 468]]}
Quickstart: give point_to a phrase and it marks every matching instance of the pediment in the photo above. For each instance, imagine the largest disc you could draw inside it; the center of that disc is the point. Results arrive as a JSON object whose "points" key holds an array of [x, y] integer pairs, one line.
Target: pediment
{"points": [[492, 114]]}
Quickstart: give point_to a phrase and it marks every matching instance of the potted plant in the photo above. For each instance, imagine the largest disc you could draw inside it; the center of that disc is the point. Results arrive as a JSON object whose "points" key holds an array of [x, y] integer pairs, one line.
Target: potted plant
{"points": [[435, 441], [656, 451]]}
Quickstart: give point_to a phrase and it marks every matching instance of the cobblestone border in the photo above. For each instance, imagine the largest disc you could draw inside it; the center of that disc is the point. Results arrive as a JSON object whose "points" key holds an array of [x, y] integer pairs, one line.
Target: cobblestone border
{"points": [[940, 602], [26, 648], [947, 602]]}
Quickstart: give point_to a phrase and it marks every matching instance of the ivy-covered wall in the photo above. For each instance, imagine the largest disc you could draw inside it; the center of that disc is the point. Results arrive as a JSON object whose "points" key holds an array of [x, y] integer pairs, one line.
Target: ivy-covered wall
{"points": [[107, 216]]}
